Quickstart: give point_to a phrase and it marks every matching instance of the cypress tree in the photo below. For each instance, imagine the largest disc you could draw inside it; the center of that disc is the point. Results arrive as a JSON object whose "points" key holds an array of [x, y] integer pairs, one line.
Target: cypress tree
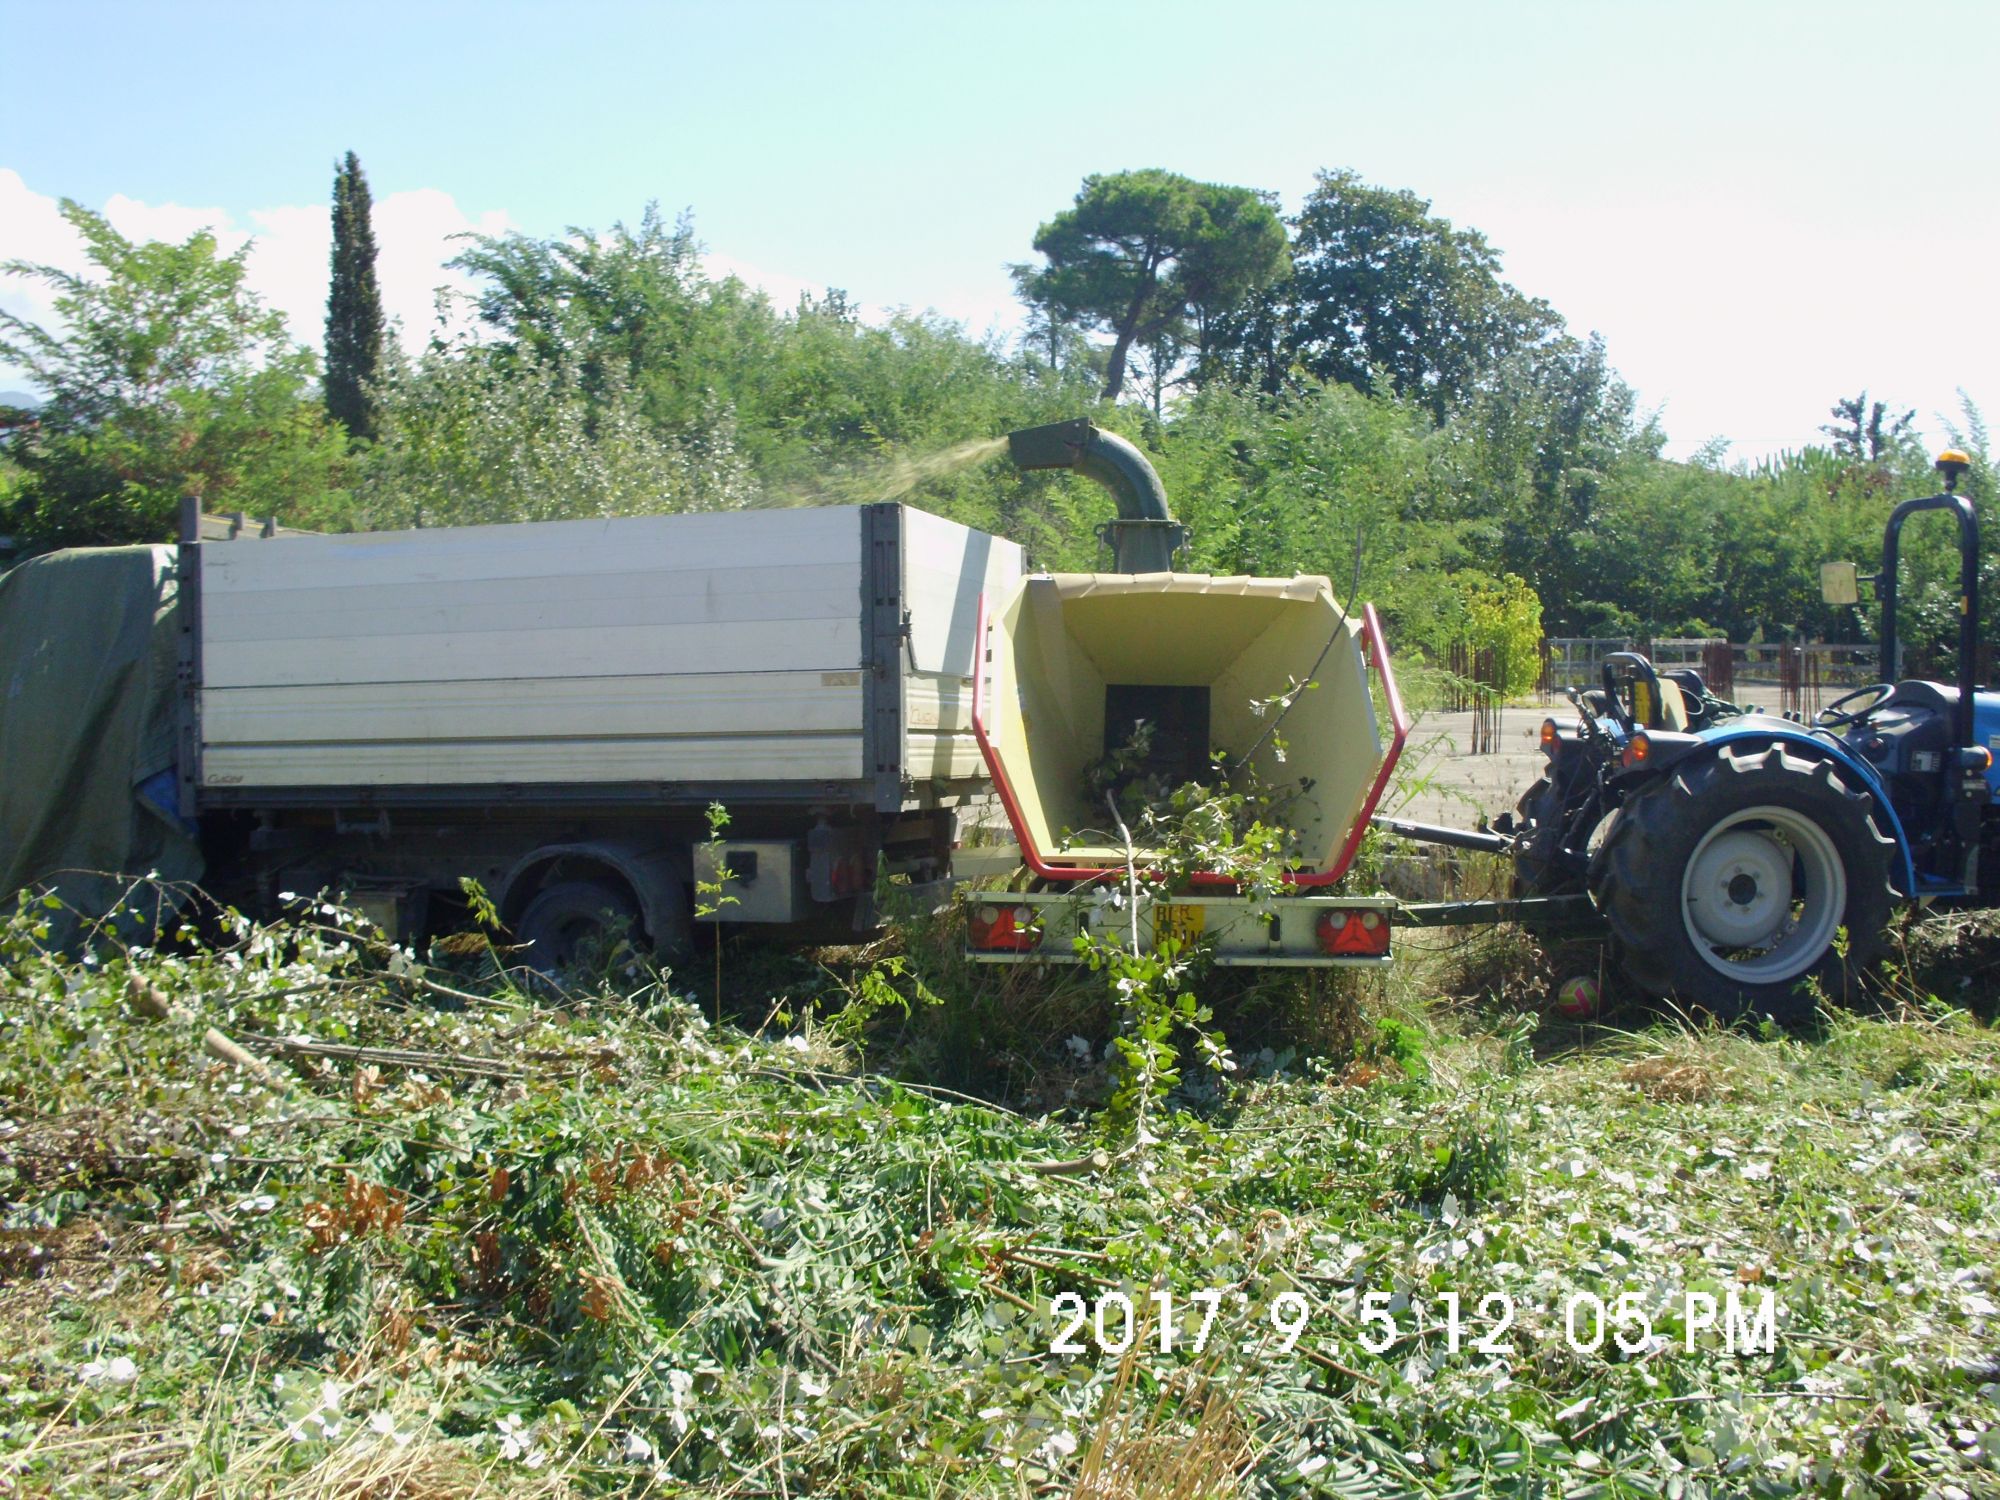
{"points": [[353, 306]]}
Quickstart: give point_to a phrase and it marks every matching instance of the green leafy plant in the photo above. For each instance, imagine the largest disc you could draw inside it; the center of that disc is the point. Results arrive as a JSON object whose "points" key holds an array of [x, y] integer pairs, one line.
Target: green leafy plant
{"points": [[1191, 829], [1397, 1044], [426, 1240], [890, 984], [711, 894]]}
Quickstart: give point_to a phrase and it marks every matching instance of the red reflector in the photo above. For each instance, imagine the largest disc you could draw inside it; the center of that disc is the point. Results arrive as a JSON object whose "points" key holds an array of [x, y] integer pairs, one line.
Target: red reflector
{"points": [[1362, 934], [1004, 929]]}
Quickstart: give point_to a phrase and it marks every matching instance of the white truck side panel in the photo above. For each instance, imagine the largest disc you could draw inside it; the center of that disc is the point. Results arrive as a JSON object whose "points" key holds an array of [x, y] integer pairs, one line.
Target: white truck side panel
{"points": [[699, 648], [576, 759], [946, 567]]}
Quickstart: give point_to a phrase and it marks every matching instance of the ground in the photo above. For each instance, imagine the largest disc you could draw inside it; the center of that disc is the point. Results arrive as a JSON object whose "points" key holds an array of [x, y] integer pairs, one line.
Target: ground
{"points": [[1438, 782], [289, 1211]]}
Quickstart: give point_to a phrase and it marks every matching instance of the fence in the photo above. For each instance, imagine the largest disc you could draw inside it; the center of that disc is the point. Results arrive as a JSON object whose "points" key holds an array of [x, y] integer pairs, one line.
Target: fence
{"points": [[1577, 661], [1803, 674], [1711, 656]]}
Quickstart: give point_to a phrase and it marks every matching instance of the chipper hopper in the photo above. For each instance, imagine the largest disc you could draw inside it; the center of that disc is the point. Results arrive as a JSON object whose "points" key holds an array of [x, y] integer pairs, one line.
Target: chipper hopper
{"points": [[1177, 677]]}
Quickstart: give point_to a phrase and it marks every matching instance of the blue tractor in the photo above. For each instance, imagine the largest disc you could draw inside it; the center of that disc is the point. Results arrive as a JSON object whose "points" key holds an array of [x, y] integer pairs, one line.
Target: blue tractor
{"points": [[1737, 855]]}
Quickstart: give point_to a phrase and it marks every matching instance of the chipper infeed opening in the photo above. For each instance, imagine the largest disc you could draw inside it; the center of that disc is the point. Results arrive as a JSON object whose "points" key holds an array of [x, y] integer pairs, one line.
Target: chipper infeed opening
{"points": [[1189, 677]]}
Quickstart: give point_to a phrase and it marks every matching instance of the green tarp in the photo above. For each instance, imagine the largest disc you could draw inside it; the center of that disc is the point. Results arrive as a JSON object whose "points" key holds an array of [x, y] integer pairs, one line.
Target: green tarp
{"points": [[88, 662]]}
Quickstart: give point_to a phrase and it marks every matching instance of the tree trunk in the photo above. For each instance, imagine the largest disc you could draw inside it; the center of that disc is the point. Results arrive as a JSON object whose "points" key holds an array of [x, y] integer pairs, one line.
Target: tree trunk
{"points": [[1114, 374], [1128, 327]]}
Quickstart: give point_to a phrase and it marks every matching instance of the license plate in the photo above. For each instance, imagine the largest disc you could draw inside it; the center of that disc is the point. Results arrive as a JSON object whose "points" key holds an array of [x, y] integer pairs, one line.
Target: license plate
{"points": [[1183, 922]]}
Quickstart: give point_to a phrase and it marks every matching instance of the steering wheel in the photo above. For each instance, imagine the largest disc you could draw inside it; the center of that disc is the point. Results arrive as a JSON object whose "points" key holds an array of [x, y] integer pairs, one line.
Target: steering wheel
{"points": [[1866, 701]]}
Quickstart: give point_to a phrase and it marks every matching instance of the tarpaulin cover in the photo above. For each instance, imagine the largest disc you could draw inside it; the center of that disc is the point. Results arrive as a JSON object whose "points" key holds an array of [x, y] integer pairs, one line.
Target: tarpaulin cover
{"points": [[87, 734]]}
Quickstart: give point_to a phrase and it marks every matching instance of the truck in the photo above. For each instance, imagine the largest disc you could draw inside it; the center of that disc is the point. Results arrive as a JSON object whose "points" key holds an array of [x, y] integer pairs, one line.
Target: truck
{"points": [[554, 710], [548, 709]]}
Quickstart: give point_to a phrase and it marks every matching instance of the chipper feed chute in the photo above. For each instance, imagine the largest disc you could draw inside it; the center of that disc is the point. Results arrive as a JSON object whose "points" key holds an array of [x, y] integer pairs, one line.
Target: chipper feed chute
{"points": [[1077, 660], [1254, 683]]}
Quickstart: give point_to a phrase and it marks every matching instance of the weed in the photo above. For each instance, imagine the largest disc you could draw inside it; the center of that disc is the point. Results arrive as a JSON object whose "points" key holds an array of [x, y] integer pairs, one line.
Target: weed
{"points": [[710, 894], [1469, 1163], [613, 1249], [1396, 1044]]}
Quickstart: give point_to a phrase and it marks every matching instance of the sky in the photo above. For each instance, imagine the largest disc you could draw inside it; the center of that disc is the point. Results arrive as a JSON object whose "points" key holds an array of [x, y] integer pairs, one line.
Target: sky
{"points": [[1762, 206]]}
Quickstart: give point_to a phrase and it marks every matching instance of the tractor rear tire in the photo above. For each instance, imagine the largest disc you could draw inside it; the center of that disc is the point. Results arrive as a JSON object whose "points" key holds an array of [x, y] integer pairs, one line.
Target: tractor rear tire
{"points": [[1727, 883]]}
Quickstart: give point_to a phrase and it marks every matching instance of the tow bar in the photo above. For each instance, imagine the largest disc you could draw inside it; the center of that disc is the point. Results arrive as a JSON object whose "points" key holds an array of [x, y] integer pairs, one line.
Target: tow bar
{"points": [[1571, 914]]}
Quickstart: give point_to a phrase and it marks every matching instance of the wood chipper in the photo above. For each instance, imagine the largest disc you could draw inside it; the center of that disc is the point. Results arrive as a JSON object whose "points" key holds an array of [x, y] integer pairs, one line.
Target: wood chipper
{"points": [[1188, 678]]}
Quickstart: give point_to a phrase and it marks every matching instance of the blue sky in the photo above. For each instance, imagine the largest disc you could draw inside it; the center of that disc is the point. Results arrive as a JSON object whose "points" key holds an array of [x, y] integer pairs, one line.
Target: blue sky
{"points": [[1762, 206]]}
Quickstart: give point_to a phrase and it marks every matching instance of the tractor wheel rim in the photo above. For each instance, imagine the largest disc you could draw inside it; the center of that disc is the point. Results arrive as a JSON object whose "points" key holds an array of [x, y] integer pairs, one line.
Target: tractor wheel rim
{"points": [[1763, 895]]}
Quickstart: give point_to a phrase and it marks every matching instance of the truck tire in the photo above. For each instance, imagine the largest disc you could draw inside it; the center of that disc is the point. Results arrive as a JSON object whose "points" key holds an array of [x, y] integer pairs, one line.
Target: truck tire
{"points": [[1726, 883], [565, 918]]}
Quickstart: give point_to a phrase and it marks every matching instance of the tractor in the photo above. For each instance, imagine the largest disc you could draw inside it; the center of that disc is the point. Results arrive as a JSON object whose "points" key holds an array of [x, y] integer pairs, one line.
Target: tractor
{"points": [[1738, 856]]}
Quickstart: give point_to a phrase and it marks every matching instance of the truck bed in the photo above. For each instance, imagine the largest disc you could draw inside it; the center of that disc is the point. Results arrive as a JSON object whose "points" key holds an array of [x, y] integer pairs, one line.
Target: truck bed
{"points": [[817, 649]]}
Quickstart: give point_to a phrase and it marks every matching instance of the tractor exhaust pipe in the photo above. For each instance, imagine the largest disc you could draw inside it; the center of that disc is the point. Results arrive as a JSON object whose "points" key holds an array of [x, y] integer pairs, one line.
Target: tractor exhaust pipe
{"points": [[1145, 536]]}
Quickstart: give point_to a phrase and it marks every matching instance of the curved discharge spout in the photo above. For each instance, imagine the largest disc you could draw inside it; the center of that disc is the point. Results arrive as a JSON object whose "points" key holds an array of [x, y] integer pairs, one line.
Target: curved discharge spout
{"points": [[1145, 536]]}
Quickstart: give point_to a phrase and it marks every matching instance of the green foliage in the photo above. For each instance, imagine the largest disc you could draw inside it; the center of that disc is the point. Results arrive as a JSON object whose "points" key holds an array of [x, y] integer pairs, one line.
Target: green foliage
{"points": [[1505, 617], [1469, 1163], [470, 436], [354, 323], [888, 985], [484, 912], [1396, 1043], [1231, 831], [1418, 464], [1866, 434], [711, 894], [610, 1247], [1153, 258], [1385, 297], [166, 377]]}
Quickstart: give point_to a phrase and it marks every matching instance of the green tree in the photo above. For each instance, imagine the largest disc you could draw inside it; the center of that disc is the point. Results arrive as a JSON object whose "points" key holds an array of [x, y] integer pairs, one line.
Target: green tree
{"points": [[1505, 617], [1545, 440], [623, 307], [1150, 257], [473, 436], [165, 376], [1868, 434], [354, 323], [1385, 296]]}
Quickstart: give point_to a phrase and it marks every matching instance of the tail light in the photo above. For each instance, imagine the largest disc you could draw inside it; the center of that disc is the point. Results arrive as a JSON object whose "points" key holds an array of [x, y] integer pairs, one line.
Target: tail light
{"points": [[1004, 929], [1355, 934]]}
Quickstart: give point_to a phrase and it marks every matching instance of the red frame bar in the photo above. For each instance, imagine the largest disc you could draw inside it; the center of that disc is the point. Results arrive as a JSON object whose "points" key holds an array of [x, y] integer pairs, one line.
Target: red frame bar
{"points": [[1399, 720]]}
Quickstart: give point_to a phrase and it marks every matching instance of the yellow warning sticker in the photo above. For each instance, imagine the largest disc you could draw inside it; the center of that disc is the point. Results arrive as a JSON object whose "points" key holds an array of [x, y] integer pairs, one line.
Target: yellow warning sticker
{"points": [[1183, 922]]}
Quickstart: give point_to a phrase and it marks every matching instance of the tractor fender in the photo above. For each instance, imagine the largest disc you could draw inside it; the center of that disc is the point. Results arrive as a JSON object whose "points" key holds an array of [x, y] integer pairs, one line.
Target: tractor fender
{"points": [[1815, 747]]}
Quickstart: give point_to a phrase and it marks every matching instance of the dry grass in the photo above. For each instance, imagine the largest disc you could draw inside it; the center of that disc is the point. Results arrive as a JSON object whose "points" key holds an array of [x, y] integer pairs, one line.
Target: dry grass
{"points": [[1191, 1442], [1665, 1080], [423, 1469]]}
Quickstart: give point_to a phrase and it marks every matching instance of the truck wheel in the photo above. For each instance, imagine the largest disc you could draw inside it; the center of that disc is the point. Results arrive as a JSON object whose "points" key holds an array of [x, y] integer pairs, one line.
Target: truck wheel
{"points": [[567, 918], [1727, 883]]}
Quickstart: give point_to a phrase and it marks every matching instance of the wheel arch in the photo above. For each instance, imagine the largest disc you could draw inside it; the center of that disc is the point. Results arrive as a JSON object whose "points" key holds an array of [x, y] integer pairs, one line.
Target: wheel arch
{"points": [[653, 874], [1811, 747]]}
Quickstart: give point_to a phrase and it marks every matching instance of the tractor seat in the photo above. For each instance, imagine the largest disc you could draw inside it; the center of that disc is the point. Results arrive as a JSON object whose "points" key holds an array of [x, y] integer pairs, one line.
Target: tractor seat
{"points": [[1673, 707], [1670, 712]]}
